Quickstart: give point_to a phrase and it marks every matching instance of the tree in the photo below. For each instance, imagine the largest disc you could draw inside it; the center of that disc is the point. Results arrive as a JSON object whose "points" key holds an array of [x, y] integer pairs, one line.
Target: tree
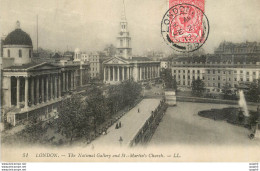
{"points": [[198, 87], [253, 93], [73, 118], [169, 81], [110, 49], [97, 107], [227, 92]]}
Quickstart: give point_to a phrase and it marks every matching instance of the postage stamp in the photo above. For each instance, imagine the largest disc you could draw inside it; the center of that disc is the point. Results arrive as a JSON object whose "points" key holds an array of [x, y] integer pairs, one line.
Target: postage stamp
{"points": [[184, 26]]}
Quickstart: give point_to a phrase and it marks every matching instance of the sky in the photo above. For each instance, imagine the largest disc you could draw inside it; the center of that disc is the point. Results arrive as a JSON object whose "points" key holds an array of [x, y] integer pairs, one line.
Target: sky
{"points": [[91, 24]]}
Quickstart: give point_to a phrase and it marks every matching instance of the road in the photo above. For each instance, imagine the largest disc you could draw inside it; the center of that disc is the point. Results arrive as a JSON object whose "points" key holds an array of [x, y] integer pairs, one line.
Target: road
{"points": [[131, 123]]}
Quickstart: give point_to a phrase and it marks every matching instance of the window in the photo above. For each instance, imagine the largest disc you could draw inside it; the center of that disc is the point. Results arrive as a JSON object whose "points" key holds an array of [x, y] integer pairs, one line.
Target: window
{"points": [[179, 76], [235, 79], [247, 73], [208, 71], [213, 78], [174, 71], [247, 79], [224, 72], [179, 71], [30, 53], [188, 71], [213, 71], [229, 79], [183, 71], [188, 77], [235, 72], [213, 84], [121, 42], [208, 78], [20, 53], [8, 53], [229, 72], [241, 72], [183, 76], [253, 73], [218, 77], [198, 71], [241, 79], [193, 71], [219, 71]]}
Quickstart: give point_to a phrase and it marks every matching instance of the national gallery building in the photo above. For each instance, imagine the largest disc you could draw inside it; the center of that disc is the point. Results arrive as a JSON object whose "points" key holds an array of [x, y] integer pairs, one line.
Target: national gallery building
{"points": [[27, 86]]}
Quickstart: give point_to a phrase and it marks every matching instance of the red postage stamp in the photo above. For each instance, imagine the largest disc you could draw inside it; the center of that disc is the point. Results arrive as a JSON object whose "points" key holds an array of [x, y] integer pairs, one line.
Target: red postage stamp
{"points": [[185, 22]]}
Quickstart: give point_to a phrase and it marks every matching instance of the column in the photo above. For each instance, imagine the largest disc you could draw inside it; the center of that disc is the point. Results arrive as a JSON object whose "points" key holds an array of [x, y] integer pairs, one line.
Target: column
{"points": [[51, 87], [32, 91], [37, 90], [18, 92], [81, 82], [118, 78], [67, 81], [123, 68], [158, 70], [42, 80], [104, 74], [109, 75], [47, 88], [127, 72], [71, 80], [55, 87], [140, 73], [114, 73], [59, 79], [64, 81], [26, 93]]}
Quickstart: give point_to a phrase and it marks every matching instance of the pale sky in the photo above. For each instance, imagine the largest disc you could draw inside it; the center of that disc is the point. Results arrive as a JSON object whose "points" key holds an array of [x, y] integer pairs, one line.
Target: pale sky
{"points": [[91, 24]]}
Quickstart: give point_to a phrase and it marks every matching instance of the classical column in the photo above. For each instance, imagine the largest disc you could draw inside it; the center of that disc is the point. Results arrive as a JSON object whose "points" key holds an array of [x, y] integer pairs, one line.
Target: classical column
{"points": [[114, 73], [140, 73], [32, 91], [51, 87], [118, 78], [59, 79], [47, 88], [26, 93], [18, 92], [81, 79], [67, 81], [55, 87], [42, 80], [37, 90], [64, 81], [71, 80], [158, 70], [127, 72], [104, 74], [123, 72], [109, 75]]}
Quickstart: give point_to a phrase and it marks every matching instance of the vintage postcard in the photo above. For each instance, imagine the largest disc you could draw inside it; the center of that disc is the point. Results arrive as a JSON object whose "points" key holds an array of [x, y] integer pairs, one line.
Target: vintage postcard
{"points": [[130, 80]]}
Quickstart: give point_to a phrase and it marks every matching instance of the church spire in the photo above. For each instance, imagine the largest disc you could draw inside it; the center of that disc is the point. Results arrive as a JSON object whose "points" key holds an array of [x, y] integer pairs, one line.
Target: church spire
{"points": [[124, 40], [123, 16]]}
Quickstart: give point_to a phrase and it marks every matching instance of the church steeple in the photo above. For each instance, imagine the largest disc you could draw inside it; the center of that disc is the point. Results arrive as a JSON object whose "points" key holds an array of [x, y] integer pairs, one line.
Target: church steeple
{"points": [[124, 40]]}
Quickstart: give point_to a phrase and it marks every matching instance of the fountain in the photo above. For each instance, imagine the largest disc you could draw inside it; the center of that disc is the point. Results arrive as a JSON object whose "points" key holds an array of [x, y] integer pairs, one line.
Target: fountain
{"points": [[242, 103]]}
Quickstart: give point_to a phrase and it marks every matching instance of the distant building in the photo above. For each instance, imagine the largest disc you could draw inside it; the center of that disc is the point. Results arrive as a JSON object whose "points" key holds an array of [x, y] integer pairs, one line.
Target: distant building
{"points": [[34, 87], [236, 49], [164, 64], [216, 70]]}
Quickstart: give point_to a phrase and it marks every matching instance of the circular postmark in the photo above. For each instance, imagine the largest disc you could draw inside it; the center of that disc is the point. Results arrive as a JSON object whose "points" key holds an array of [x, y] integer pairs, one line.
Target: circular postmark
{"points": [[185, 27]]}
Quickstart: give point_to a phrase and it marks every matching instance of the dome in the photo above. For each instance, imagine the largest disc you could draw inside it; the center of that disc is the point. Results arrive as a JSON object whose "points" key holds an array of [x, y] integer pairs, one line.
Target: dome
{"points": [[18, 37]]}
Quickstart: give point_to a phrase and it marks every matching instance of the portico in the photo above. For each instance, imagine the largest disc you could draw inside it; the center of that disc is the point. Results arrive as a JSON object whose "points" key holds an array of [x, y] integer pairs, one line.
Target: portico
{"points": [[118, 69]]}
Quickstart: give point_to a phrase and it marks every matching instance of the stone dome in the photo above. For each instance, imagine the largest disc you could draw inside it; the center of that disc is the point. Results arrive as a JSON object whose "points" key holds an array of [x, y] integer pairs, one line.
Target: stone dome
{"points": [[18, 37]]}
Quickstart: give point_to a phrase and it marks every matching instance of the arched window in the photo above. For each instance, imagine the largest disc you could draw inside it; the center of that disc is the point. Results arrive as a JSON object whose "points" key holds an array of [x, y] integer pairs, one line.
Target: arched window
{"points": [[20, 53], [30, 53], [8, 53]]}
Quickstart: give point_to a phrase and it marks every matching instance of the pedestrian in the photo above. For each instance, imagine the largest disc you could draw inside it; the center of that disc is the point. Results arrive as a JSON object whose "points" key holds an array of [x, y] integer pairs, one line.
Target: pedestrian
{"points": [[120, 140], [119, 125], [138, 110], [116, 125]]}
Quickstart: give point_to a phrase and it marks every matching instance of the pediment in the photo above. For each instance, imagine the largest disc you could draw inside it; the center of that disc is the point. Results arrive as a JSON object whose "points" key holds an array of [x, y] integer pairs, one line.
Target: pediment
{"points": [[116, 60], [43, 66]]}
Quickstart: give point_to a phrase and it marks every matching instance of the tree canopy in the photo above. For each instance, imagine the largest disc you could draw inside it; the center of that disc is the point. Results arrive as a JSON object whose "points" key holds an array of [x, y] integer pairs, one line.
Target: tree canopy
{"points": [[169, 81], [198, 87]]}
